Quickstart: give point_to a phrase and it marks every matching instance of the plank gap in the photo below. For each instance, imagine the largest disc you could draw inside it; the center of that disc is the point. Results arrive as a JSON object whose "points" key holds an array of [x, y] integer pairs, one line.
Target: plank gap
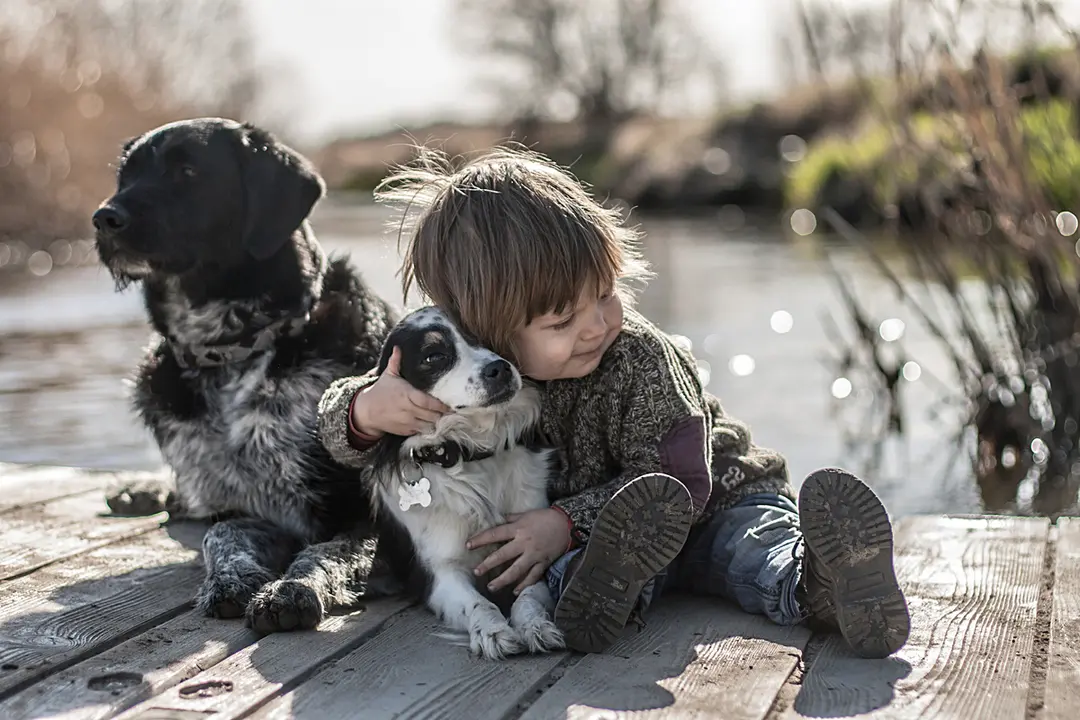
{"points": [[545, 684], [1040, 650]]}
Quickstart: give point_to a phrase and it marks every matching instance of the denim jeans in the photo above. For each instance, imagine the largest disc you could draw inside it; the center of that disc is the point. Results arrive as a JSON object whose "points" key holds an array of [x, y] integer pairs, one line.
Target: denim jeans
{"points": [[750, 553]]}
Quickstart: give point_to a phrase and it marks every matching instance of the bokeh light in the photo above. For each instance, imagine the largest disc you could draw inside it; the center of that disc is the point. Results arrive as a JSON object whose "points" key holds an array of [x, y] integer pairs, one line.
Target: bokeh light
{"points": [[781, 322], [803, 222], [742, 365]]}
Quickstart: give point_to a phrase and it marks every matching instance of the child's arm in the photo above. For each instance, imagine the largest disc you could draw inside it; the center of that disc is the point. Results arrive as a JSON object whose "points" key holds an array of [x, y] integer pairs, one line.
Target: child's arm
{"points": [[346, 443], [670, 425], [662, 427]]}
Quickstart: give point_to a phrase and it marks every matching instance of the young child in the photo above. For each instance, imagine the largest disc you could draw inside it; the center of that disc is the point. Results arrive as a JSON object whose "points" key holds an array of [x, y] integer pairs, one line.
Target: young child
{"points": [[660, 490]]}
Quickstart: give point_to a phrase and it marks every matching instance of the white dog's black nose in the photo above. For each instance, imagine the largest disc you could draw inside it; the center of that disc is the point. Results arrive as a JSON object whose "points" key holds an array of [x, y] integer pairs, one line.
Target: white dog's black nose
{"points": [[497, 371], [111, 218]]}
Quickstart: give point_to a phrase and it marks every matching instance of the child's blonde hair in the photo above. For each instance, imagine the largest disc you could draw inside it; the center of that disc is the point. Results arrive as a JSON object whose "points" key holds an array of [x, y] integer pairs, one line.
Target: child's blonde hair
{"points": [[506, 238]]}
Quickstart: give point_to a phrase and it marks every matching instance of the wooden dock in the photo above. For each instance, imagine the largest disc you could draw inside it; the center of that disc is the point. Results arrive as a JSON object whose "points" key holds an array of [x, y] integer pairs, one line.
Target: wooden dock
{"points": [[95, 622]]}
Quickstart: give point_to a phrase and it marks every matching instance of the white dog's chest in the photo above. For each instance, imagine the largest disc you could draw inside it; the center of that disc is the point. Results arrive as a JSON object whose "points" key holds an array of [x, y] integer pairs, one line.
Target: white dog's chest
{"points": [[466, 499]]}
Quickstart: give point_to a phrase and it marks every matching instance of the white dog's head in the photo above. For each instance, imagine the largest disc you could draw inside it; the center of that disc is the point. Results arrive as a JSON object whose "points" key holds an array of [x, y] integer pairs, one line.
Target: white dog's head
{"points": [[436, 357]]}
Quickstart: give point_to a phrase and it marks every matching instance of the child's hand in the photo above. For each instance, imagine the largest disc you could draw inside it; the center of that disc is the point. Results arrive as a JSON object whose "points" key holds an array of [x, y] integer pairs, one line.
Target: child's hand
{"points": [[391, 405], [536, 539]]}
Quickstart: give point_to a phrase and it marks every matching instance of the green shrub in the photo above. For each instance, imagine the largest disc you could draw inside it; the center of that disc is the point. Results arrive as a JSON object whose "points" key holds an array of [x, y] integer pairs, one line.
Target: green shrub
{"points": [[874, 157]]}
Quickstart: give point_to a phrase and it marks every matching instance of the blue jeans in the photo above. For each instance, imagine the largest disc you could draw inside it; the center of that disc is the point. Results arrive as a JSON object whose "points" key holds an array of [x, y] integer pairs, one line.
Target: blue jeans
{"points": [[750, 553]]}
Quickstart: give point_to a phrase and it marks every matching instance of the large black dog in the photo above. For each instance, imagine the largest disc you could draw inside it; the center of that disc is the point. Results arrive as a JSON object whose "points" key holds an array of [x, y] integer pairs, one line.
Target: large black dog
{"points": [[254, 323]]}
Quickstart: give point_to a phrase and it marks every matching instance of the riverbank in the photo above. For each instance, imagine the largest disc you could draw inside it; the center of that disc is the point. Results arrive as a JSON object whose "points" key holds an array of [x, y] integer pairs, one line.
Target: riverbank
{"points": [[823, 145]]}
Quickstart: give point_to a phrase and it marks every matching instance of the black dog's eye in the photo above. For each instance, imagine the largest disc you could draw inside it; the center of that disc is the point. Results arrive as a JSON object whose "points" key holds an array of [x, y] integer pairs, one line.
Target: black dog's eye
{"points": [[434, 358], [187, 171]]}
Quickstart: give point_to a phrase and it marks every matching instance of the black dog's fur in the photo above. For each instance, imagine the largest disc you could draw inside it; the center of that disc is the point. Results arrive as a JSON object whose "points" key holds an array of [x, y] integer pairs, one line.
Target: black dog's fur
{"points": [[210, 215]]}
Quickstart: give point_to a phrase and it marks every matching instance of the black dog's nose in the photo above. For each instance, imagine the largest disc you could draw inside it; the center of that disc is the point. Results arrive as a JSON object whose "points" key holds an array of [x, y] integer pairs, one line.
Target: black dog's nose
{"points": [[110, 218], [497, 370]]}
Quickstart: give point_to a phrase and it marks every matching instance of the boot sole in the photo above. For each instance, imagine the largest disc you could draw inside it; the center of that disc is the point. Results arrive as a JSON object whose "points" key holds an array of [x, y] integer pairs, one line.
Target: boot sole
{"points": [[847, 528], [639, 532]]}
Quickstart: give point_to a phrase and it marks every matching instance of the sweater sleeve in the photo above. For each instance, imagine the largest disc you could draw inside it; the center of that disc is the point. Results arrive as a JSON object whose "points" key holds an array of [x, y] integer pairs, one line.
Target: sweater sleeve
{"points": [[662, 427], [336, 432]]}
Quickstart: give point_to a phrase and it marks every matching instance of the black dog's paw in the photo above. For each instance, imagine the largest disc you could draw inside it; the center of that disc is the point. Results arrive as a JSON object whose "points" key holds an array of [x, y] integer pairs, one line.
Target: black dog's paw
{"points": [[140, 495], [284, 605], [226, 595]]}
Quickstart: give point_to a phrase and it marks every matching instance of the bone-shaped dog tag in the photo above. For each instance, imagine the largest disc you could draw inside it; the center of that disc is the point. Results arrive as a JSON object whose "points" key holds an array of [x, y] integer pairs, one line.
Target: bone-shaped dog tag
{"points": [[414, 493]]}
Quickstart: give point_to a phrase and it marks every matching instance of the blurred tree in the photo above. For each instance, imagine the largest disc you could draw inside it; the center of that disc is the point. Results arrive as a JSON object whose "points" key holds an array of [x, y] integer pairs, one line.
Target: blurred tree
{"points": [[600, 61], [78, 77]]}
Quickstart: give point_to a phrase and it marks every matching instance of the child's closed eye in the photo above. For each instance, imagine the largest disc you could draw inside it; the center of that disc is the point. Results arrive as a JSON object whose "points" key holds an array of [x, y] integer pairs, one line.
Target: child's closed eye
{"points": [[564, 324]]}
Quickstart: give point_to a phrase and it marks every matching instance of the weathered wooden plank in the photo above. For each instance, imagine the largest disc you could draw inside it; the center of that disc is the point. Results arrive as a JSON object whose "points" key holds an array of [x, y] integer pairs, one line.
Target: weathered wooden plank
{"points": [[973, 588], [696, 658], [1062, 697], [38, 534], [408, 672], [72, 609], [131, 672], [22, 485], [276, 663]]}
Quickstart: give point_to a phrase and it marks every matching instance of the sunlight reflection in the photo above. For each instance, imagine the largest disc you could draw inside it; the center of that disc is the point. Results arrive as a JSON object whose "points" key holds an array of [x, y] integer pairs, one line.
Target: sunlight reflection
{"points": [[712, 344], [781, 322], [704, 372], [684, 342], [792, 148], [841, 388], [742, 365], [912, 371], [716, 161], [803, 222], [1066, 223], [40, 263], [891, 330]]}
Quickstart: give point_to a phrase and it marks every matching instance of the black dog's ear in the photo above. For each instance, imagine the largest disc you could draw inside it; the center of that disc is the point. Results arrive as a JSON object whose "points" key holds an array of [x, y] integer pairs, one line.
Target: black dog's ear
{"points": [[128, 144], [280, 188]]}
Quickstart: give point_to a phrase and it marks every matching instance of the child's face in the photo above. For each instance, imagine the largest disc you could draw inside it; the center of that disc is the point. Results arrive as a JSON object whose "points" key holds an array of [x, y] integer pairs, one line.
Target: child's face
{"points": [[571, 344]]}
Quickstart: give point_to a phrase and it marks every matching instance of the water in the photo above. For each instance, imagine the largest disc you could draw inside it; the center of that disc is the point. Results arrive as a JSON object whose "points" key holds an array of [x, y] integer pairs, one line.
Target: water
{"points": [[68, 342]]}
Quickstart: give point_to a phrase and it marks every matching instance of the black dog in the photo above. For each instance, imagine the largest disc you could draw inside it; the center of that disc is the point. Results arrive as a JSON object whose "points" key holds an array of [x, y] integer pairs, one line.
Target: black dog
{"points": [[254, 324]]}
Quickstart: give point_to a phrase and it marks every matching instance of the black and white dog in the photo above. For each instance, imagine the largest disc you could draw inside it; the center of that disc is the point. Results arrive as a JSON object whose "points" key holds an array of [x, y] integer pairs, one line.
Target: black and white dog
{"points": [[253, 324], [480, 463]]}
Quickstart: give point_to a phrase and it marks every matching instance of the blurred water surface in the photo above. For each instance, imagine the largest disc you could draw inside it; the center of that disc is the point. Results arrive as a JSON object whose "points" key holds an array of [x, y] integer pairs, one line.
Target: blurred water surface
{"points": [[749, 302]]}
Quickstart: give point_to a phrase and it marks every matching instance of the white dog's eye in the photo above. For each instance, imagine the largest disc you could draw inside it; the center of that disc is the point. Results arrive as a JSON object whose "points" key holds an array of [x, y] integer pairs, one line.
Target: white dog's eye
{"points": [[434, 358]]}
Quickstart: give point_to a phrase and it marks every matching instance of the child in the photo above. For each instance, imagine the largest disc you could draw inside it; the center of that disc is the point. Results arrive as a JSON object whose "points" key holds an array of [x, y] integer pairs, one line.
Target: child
{"points": [[660, 490]]}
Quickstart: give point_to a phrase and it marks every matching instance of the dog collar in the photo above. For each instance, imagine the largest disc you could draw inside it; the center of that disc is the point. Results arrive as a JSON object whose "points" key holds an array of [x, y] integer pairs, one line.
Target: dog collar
{"points": [[261, 329], [261, 340], [447, 455]]}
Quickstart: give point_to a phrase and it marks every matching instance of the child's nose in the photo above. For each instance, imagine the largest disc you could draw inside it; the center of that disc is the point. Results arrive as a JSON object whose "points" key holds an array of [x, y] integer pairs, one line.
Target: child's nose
{"points": [[598, 326]]}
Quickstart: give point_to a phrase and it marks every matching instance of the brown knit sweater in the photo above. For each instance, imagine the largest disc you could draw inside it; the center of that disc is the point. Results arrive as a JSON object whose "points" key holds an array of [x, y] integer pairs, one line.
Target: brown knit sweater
{"points": [[642, 410]]}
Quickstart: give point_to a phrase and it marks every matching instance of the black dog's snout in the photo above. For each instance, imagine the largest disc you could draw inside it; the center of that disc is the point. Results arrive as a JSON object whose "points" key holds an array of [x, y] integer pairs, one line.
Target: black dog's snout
{"points": [[497, 371], [111, 218]]}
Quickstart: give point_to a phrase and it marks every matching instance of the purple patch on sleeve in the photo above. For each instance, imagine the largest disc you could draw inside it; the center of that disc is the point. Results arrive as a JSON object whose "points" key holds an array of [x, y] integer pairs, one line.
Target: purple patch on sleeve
{"points": [[682, 455]]}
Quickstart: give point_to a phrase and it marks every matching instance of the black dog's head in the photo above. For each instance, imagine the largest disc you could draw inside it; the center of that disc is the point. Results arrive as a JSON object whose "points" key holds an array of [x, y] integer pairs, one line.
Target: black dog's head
{"points": [[436, 357], [204, 192]]}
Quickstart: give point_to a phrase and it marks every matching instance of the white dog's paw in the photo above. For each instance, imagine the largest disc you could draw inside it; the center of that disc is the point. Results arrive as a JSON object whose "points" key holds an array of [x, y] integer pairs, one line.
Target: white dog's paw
{"points": [[531, 616], [541, 636], [493, 637]]}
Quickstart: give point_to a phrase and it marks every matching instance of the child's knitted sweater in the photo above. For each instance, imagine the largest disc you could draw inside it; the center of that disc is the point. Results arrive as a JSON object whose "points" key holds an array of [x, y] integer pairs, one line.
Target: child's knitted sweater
{"points": [[643, 410]]}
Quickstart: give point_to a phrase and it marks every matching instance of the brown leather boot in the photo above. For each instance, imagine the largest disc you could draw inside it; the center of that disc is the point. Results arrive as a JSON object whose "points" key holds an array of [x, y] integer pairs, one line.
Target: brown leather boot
{"points": [[848, 579], [637, 534]]}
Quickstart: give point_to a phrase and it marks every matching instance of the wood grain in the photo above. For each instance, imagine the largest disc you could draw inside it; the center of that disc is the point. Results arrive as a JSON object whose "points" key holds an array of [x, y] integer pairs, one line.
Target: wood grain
{"points": [[249, 678], [75, 608], [408, 672], [973, 588], [1062, 696], [38, 534], [696, 658], [22, 485], [147, 664]]}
